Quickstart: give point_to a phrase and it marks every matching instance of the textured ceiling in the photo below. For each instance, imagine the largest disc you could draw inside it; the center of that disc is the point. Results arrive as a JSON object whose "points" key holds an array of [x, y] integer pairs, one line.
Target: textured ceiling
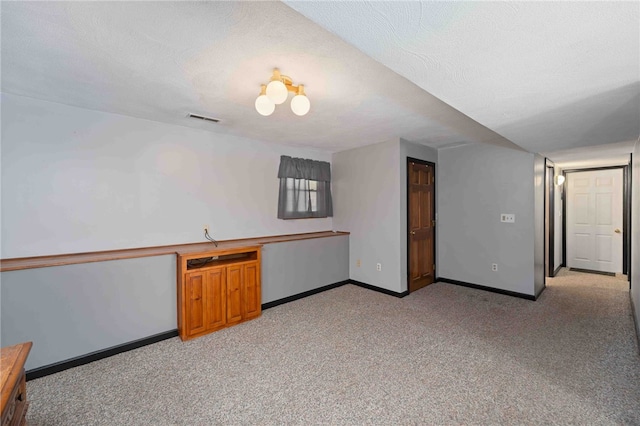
{"points": [[545, 76], [613, 154], [162, 60]]}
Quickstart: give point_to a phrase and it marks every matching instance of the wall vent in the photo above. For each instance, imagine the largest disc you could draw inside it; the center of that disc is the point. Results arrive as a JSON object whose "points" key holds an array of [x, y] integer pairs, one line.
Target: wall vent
{"points": [[202, 117]]}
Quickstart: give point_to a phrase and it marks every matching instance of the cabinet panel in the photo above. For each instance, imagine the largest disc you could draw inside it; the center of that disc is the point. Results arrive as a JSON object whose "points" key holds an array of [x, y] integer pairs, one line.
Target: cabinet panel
{"points": [[251, 291], [195, 289], [216, 297], [234, 294]]}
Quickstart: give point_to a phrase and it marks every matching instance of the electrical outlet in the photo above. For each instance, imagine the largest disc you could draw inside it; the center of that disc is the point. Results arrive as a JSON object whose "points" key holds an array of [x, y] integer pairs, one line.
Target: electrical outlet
{"points": [[494, 267], [206, 228], [378, 267], [358, 263], [507, 217]]}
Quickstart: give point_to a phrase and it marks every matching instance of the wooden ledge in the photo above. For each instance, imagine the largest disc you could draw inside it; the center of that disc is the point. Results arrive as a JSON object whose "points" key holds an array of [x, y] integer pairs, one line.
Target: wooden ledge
{"points": [[17, 264]]}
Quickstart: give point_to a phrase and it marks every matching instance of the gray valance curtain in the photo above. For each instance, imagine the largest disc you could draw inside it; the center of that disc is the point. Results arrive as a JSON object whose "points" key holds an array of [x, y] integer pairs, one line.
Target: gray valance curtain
{"points": [[305, 188]]}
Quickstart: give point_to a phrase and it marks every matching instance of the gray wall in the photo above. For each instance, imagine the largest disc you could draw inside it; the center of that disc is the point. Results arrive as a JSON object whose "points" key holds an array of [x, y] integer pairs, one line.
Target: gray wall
{"points": [[70, 311], [476, 183], [294, 267], [365, 187], [539, 215], [635, 238], [370, 201], [75, 180]]}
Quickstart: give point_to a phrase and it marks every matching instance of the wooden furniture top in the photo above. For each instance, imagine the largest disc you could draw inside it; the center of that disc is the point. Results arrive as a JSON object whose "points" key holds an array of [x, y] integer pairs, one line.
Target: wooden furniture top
{"points": [[221, 250], [12, 359], [17, 264]]}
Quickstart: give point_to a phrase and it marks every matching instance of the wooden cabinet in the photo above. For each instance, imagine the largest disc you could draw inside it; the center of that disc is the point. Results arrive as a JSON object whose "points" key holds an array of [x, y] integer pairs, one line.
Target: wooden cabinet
{"points": [[14, 387], [217, 289]]}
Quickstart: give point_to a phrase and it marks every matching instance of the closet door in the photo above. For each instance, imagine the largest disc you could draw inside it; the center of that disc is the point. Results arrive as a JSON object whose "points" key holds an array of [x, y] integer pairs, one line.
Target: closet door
{"points": [[421, 225]]}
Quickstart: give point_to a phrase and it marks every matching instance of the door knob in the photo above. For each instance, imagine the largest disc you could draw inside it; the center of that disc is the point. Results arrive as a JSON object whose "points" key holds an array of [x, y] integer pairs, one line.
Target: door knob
{"points": [[617, 230], [413, 232]]}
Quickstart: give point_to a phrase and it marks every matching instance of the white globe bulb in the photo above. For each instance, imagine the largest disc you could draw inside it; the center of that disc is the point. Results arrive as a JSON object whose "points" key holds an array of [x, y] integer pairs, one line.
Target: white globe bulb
{"points": [[277, 92], [300, 105], [264, 106]]}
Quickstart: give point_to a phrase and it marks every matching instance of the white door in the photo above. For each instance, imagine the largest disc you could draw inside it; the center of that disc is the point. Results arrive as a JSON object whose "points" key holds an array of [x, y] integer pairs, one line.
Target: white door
{"points": [[594, 220]]}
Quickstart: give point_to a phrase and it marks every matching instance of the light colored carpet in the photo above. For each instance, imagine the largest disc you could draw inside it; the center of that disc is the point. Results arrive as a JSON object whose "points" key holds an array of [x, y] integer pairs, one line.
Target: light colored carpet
{"points": [[443, 355]]}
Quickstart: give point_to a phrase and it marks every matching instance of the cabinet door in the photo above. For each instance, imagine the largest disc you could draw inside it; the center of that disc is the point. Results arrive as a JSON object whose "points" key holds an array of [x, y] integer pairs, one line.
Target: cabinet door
{"points": [[251, 297], [195, 289], [234, 294], [216, 299]]}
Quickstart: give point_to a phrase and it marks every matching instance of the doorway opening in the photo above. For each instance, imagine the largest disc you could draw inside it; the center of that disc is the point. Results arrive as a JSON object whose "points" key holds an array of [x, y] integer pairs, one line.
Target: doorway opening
{"points": [[596, 215]]}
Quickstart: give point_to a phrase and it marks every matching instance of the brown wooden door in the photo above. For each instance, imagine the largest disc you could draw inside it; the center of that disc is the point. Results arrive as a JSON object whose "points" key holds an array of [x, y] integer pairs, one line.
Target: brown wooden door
{"points": [[251, 291], [216, 298], [195, 295], [421, 225], [234, 293]]}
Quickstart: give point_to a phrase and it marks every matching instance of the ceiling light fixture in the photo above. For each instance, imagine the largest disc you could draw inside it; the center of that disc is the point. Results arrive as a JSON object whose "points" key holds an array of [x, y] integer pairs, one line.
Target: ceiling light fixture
{"points": [[276, 93], [264, 105]]}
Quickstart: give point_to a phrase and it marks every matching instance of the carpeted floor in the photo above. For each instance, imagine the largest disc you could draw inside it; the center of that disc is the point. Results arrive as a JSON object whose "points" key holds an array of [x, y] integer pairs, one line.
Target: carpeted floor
{"points": [[442, 355]]}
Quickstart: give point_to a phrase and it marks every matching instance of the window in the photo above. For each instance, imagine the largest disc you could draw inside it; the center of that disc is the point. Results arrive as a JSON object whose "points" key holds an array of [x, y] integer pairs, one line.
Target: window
{"points": [[302, 195], [305, 188]]}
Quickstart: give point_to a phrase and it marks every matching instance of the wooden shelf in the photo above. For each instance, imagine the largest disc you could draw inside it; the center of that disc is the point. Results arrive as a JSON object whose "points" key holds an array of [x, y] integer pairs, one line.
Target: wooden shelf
{"points": [[217, 261], [17, 264]]}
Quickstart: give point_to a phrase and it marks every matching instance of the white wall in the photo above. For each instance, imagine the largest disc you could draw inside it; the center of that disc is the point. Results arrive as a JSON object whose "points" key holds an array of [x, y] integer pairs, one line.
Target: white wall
{"points": [[366, 195], [635, 238], [476, 183], [76, 180]]}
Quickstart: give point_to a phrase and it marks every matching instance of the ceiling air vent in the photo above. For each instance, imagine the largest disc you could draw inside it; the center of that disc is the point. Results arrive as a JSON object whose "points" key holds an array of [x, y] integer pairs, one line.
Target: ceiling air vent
{"points": [[202, 117]]}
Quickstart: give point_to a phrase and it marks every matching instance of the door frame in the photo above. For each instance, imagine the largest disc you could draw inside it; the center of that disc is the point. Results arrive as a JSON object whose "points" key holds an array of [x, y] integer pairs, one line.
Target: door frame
{"points": [[626, 220], [626, 214], [435, 215], [549, 216]]}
